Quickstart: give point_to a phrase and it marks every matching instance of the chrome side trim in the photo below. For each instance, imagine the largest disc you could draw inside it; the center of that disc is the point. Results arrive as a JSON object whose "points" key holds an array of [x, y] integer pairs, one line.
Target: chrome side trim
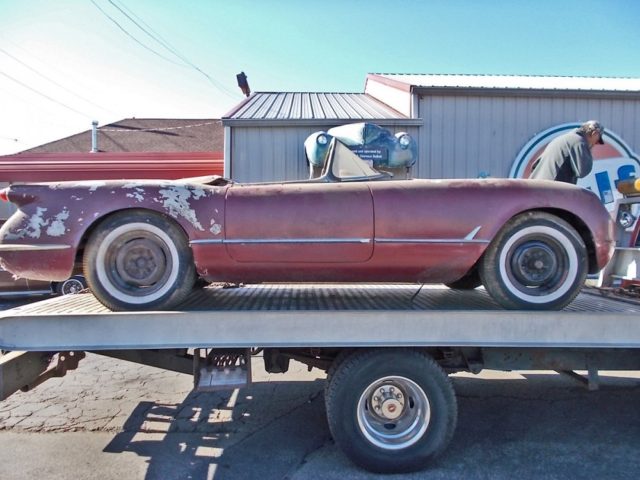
{"points": [[15, 247], [263, 241], [428, 240], [269, 241], [206, 241], [472, 233], [298, 240]]}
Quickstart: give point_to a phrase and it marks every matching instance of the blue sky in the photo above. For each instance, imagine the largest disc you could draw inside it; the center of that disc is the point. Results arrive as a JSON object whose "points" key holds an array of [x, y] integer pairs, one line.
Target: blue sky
{"points": [[64, 63]]}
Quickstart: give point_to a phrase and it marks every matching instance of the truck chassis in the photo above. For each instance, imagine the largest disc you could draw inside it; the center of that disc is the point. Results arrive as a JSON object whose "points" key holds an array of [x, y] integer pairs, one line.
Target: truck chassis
{"points": [[387, 349]]}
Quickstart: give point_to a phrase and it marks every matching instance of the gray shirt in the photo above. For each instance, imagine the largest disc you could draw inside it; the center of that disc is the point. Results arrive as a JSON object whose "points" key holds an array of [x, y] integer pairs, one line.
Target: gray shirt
{"points": [[565, 159]]}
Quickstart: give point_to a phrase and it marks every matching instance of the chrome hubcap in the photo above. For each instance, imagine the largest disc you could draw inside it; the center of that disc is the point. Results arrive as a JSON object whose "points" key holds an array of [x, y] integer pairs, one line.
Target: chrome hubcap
{"points": [[393, 413]]}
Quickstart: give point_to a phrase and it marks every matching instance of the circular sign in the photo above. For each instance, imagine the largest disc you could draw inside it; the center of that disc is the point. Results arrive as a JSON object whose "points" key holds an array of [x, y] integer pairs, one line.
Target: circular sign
{"points": [[612, 162]]}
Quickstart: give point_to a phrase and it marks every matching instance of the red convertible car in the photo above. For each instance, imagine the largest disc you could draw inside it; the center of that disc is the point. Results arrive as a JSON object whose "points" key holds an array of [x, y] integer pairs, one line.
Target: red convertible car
{"points": [[143, 244]]}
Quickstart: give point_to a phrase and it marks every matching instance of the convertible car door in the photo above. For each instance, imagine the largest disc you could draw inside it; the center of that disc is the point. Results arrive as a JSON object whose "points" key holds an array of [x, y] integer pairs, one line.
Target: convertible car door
{"points": [[299, 222]]}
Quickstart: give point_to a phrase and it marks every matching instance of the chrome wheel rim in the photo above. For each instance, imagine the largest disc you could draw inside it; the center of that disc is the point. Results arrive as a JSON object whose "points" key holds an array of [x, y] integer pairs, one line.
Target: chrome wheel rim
{"points": [[72, 286], [393, 413]]}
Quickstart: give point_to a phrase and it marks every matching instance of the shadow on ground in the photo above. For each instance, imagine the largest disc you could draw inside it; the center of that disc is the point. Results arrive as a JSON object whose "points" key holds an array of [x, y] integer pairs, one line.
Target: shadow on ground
{"points": [[538, 425], [263, 431]]}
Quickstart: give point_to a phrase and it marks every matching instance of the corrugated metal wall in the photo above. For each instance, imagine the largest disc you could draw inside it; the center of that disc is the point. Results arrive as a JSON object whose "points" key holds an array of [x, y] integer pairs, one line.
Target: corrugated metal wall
{"points": [[264, 154], [464, 135], [274, 153]]}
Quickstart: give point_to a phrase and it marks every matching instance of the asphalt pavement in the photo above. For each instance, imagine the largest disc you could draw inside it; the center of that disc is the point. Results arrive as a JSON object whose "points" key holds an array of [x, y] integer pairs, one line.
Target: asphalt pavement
{"points": [[111, 419]]}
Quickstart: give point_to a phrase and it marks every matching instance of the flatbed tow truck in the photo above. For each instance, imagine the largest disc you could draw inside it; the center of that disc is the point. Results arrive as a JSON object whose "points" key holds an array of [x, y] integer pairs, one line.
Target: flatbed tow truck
{"points": [[387, 349]]}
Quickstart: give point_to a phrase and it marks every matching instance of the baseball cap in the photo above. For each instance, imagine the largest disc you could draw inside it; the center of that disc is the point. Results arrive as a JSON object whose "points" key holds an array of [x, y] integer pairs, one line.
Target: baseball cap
{"points": [[594, 126]]}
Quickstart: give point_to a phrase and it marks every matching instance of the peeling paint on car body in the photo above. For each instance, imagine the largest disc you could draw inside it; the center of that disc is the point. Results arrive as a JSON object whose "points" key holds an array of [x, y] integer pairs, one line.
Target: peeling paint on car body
{"points": [[137, 194], [41, 220], [89, 185], [132, 185], [175, 200], [57, 227], [36, 223], [216, 229]]}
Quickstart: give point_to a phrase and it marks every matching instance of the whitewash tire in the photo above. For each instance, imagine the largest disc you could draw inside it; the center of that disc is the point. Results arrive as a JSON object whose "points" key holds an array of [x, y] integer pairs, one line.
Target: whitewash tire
{"points": [[139, 260], [537, 261]]}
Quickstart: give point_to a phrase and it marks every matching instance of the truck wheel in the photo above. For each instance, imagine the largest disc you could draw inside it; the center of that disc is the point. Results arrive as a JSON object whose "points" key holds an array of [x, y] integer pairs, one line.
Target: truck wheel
{"points": [[390, 410], [537, 261], [470, 281], [139, 260]]}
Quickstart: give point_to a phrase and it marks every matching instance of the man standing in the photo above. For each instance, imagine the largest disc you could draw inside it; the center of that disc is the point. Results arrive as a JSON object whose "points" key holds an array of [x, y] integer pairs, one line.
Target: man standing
{"points": [[568, 157]]}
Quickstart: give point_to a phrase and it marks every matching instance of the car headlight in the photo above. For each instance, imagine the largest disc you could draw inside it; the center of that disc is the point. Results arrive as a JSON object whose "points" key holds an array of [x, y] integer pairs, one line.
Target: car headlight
{"points": [[404, 140], [322, 139]]}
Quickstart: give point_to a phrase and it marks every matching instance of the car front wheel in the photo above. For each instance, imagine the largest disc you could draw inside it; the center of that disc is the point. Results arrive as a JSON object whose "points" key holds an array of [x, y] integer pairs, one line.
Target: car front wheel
{"points": [[537, 261], [139, 260]]}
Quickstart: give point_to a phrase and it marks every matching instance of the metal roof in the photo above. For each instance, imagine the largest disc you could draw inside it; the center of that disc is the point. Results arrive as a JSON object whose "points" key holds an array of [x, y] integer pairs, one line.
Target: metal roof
{"points": [[524, 82], [283, 106], [145, 135]]}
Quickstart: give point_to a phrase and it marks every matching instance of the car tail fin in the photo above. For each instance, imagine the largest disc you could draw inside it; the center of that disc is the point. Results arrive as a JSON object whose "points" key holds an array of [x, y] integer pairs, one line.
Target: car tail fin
{"points": [[18, 194]]}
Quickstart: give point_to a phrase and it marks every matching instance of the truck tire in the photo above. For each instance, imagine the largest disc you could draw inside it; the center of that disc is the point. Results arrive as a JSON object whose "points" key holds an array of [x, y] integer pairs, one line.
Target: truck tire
{"points": [[536, 262], [390, 410], [139, 260]]}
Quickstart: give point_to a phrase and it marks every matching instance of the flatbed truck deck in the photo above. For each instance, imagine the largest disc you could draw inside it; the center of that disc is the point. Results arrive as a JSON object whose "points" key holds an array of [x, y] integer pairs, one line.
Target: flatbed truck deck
{"points": [[387, 349]]}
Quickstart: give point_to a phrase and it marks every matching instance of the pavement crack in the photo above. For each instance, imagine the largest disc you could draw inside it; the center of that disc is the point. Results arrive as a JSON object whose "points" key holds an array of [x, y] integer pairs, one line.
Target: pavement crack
{"points": [[274, 420], [303, 461]]}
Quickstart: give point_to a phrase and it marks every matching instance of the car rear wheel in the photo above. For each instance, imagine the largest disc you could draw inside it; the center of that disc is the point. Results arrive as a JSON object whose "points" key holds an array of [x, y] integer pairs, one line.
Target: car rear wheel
{"points": [[139, 260], [537, 261], [390, 410]]}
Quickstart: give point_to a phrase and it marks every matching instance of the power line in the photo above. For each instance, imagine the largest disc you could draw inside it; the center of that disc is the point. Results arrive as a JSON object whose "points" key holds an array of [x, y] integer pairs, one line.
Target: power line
{"points": [[148, 30], [43, 95], [124, 30], [76, 78], [158, 38], [54, 82]]}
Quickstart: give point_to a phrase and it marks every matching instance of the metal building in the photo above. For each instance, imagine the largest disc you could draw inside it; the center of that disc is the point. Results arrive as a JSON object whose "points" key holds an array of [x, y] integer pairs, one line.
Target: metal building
{"points": [[475, 124], [466, 125], [264, 135]]}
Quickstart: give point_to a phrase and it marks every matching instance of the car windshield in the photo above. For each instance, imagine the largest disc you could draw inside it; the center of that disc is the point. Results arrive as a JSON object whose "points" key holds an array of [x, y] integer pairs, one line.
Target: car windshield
{"points": [[347, 165]]}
